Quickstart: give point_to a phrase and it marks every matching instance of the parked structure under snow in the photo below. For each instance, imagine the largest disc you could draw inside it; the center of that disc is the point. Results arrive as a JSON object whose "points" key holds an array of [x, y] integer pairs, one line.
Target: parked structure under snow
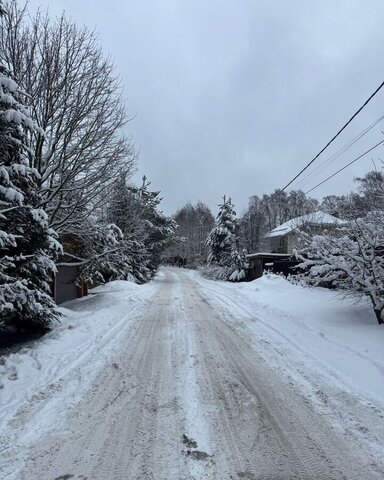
{"points": [[65, 284]]}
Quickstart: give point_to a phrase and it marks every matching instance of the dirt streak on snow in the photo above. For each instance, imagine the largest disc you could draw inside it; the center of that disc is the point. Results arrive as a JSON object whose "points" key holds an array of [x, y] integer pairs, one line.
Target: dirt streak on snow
{"points": [[195, 419]]}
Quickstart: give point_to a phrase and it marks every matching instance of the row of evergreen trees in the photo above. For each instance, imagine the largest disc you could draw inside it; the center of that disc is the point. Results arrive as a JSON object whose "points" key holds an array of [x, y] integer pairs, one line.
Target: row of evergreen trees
{"points": [[128, 238]]}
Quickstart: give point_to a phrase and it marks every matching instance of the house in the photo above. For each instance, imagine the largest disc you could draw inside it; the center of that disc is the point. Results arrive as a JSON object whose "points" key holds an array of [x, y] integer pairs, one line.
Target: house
{"points": [[285, 237]]}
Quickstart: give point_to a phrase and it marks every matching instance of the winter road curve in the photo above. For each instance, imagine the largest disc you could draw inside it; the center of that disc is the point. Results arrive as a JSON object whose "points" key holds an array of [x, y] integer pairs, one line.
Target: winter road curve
{"points": [[188, 398]]}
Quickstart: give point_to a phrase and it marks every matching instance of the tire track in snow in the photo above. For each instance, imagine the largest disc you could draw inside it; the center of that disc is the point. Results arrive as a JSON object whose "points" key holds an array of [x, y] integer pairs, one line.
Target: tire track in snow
{"points": [[359, 420], [305, 445], [137, 433], [131, 423]]}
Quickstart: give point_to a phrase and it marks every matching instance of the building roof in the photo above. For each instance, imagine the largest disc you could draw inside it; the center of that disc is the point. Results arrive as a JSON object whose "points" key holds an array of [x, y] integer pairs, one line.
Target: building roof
{"points": [[318, 218], [268, 255]]}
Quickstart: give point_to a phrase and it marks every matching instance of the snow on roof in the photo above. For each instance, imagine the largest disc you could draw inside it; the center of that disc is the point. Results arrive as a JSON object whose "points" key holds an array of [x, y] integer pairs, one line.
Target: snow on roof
{"points": [[268, 255], [319, 217]]}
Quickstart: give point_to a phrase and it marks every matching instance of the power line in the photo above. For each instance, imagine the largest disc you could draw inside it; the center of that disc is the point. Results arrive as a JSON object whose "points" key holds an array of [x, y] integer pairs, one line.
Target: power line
{"points": [[345, 166], [330, 141], [320, 168]]}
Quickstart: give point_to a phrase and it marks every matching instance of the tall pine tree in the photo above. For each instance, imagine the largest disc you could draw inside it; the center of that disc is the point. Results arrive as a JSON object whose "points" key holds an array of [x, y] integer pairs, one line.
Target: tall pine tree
{"points": [[27, 245]]}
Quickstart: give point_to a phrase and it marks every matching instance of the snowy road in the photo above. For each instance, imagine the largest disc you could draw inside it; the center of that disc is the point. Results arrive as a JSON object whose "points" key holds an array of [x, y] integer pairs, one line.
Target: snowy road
{"points": [[188, 397]]}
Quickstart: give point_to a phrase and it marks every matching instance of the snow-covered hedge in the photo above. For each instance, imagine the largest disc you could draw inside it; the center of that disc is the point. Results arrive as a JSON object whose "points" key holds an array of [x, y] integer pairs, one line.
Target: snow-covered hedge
{"points": [[351, 259]]}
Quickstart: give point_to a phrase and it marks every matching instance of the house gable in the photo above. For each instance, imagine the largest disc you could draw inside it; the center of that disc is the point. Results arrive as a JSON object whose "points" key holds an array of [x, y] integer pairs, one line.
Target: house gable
{"points": [[284, 238]]}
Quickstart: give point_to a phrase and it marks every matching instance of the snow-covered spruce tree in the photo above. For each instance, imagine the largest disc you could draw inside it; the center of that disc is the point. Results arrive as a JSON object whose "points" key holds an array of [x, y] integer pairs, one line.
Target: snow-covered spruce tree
{"points": [[351, 260], [103, 257], [222, 237], [239, 263], [126, 212], [27, 245], [222, 243], [146, 231], [152, 227]]}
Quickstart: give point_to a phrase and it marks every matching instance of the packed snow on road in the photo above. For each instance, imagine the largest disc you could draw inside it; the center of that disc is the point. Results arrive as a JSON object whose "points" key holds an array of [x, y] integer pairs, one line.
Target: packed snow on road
{"points": [[185, 378]]}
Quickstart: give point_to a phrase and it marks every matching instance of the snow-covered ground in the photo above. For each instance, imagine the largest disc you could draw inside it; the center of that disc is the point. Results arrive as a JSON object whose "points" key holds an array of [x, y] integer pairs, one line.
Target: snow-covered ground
{"points": [[131, 369], [41, 384], [339, 335], [328, 347]]}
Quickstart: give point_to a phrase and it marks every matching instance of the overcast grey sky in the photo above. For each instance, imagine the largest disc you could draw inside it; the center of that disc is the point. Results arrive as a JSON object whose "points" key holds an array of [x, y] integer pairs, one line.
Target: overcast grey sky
{"points": [[235, 96]]}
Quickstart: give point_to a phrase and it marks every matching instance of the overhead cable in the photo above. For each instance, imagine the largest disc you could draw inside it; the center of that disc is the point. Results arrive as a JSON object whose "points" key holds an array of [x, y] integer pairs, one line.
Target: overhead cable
{"points": [[330, 141], [345, 166], [320, 168]]}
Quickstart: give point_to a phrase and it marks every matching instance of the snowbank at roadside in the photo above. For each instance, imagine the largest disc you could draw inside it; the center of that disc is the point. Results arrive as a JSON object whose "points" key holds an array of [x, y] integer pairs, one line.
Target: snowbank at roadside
{"points": [[337, 337], [117, 286], [40, 383]]}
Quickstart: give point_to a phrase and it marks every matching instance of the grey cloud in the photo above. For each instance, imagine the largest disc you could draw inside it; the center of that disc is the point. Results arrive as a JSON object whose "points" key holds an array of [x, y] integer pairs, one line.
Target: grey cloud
{"points": [[236, 96]]}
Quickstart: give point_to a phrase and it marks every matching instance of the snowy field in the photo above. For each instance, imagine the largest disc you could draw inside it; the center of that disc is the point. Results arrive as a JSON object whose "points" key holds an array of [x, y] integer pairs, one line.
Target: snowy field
{"points": [[328, 351]]}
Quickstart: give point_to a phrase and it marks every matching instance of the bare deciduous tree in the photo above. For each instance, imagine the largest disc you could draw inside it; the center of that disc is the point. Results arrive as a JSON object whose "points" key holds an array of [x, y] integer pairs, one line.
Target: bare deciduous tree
{"points": [[267, 212], [194, 224], [76, 99]]}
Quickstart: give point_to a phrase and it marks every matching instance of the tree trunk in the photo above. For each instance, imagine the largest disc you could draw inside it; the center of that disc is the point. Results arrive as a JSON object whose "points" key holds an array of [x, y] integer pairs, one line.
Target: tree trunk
{"points": [[379, 316]]}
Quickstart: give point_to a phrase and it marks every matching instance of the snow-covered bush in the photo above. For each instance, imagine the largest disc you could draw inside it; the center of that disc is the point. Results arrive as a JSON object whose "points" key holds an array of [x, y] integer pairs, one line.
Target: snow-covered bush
{"points": [[216, 272], [351, 259], [237, 276]]}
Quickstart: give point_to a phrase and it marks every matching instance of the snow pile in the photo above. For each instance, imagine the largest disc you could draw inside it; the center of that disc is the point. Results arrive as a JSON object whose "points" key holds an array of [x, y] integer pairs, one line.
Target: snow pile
{"points": [[117, 286]]}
